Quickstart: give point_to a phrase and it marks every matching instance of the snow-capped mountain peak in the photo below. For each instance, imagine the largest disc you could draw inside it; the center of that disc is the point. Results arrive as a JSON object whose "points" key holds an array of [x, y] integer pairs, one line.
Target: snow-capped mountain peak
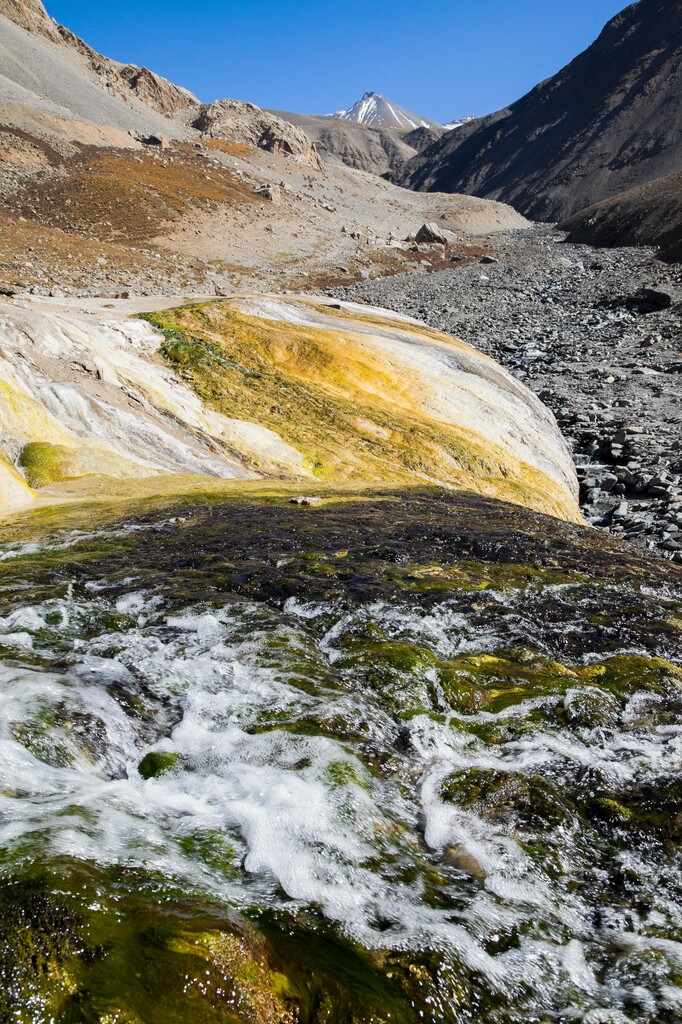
{"points": [[459, 122], [378, 112]]}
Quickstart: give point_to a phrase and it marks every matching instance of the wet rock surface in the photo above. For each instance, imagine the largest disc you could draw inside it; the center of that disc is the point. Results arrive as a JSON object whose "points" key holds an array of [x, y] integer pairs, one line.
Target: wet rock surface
{"points": [[407, 757], [597, 334]]}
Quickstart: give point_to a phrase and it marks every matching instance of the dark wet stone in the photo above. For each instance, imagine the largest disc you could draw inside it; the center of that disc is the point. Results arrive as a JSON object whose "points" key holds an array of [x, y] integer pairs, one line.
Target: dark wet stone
{"points": [[527, 801]]}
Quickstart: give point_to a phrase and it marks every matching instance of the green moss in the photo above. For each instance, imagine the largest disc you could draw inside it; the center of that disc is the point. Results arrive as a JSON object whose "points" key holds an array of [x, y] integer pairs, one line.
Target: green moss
{"points": [[41, 941], [343, 773], [609, 810], [157, 763], [398, 673], [651, 809], [465, 574], [213, 849], [529, 801], [129, 960], [57, 735], [392, 656], [496, 682], [44, 463], [80, 945], [626, 675]]}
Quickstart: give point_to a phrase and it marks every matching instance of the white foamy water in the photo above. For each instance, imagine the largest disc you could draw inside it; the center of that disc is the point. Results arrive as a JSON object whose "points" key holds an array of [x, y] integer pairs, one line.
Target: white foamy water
{"points": [[315, 791]]}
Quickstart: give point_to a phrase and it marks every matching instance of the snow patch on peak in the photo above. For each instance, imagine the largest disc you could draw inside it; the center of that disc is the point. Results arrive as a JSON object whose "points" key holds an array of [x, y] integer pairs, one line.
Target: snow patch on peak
{"points": [[376, 111], [459, 122]]}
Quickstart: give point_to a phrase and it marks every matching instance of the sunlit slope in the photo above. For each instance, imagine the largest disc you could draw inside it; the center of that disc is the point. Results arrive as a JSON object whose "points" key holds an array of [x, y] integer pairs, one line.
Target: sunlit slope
{"points": [[265, 388], [370, 398]]}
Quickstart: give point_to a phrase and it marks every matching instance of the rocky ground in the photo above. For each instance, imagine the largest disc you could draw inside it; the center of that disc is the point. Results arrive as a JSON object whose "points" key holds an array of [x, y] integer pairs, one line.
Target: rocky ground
{"points": [[212, 217], [598, 335]]}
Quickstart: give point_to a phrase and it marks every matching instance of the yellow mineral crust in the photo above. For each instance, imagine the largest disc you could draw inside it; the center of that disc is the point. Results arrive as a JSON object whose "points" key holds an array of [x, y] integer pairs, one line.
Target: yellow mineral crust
{"points": [[267, 387], [375, 398]]}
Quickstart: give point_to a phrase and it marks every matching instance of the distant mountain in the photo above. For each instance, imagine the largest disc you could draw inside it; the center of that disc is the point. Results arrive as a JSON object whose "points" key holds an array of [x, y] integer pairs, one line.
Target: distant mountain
{"points": [[375, 150], [459, 122], [378, 112], [610, 121]]}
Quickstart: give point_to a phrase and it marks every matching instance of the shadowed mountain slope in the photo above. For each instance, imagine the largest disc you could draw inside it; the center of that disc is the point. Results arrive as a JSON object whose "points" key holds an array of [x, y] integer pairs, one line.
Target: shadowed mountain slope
{"points": [[611, 120], [648, 215]]}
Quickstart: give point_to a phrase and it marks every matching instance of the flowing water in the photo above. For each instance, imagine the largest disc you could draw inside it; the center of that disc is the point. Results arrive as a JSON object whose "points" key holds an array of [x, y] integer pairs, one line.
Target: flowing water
{"points": [[459, 774]]}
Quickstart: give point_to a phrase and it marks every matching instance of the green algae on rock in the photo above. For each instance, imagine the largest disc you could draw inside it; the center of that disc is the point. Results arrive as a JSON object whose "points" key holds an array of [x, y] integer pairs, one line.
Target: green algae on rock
{"points": [[83, 945], [157, 763]]}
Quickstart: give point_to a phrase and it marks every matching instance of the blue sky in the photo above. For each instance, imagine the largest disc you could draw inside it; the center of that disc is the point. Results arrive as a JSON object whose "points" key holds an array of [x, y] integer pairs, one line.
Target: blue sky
{"points": [[438, 59]]}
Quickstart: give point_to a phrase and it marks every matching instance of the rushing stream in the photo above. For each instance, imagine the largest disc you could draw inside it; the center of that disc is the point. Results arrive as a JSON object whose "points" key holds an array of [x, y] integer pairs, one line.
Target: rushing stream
{"points": [[439, 774]]}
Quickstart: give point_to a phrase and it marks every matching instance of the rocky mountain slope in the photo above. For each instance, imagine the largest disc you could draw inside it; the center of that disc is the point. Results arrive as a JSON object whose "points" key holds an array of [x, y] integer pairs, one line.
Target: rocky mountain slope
{"points": [[650, 214], [47, 66], [365, 148], [113, 180], [378, 112], [611, 120]]}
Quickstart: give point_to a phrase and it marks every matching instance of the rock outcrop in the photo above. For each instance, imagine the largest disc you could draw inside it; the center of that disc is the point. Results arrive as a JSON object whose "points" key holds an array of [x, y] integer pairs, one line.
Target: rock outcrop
{"points": [[245, 123], [15, 493], [132, 83], [610, 121], [31, 15]]}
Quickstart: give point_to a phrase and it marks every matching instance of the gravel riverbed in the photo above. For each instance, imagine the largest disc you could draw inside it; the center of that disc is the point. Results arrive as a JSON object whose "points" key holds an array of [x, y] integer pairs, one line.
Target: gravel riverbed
{"points": [[597, 333]]}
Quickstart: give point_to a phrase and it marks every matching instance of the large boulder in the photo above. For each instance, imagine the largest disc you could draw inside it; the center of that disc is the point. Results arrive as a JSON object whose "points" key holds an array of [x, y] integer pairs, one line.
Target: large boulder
{"points": [[430, 233]]}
